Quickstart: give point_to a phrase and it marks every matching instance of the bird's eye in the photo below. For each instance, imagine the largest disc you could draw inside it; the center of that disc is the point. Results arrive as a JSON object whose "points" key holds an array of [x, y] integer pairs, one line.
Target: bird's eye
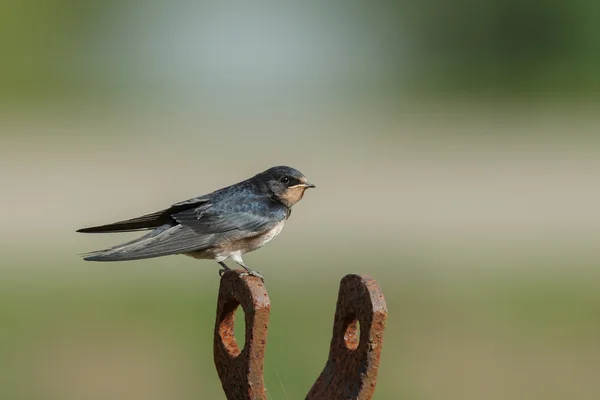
{"points": [[285, 179]]}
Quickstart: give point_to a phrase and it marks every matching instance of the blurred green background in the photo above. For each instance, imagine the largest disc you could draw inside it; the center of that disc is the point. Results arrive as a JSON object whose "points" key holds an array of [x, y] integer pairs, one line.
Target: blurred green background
{"points": [[454, 146]]}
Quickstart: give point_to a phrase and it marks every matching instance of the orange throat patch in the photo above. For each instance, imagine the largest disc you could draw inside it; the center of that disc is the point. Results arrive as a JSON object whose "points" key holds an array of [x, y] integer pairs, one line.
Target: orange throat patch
{"points": [[293, 195]]}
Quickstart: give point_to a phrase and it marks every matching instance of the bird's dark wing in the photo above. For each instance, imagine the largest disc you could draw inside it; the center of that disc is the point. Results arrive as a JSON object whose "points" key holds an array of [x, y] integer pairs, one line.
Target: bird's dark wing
{"points": [[148, 221], [233, 220], [230, 220], [199, 228], [162, 241]]}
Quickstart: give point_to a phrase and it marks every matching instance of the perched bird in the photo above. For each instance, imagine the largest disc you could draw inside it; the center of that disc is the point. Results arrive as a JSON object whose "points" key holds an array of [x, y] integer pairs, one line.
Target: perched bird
{"points": [[223, 224]]}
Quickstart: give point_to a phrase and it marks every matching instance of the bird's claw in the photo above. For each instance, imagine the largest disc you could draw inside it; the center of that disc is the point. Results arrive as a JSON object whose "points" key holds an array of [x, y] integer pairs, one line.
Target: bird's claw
{"points": [[222, 272], [252, 273]]}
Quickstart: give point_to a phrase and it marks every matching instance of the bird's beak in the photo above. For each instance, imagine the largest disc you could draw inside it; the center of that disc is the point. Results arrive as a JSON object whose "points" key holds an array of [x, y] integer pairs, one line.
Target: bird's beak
{"points": [[306, 185]]}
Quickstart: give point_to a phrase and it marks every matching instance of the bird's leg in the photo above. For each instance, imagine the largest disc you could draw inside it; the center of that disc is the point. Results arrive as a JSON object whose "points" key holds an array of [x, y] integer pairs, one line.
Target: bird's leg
{"points": [[249, 272], [224, 269]]}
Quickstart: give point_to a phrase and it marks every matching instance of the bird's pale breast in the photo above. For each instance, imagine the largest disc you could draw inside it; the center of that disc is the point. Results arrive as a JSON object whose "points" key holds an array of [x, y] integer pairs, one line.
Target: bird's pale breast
{"points": [[266, 237]]}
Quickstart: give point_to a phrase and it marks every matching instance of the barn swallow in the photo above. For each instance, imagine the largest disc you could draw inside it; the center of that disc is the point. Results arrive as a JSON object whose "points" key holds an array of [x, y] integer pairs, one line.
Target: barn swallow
{"points": [[223, 224]]}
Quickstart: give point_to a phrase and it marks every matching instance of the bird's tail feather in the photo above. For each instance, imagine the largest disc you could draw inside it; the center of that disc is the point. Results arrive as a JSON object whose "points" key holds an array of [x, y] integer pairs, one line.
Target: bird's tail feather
{"points": [[126, 251], [148, 221]]}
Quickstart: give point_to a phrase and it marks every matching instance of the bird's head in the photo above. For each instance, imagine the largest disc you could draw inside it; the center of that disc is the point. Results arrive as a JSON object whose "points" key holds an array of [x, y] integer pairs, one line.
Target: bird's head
{"points": [[285, 183]]}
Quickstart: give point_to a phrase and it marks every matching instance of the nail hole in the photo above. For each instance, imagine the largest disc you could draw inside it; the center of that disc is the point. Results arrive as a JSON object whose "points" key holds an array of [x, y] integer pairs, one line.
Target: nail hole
{"points": [[352, 334]]}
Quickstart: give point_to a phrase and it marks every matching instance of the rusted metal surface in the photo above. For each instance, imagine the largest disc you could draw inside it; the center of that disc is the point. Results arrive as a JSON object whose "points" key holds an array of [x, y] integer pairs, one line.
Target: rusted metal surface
{"points": [[241, 372], [351, 370]]}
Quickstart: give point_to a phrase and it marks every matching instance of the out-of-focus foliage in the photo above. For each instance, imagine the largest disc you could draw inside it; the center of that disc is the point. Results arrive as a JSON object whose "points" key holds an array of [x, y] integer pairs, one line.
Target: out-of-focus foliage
{"points": [[35, 39], [508, 44], [63, 46]]}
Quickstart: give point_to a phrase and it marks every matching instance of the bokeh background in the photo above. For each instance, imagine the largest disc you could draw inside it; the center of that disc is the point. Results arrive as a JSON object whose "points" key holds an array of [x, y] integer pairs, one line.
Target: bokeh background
{"points": [[455, 150]]}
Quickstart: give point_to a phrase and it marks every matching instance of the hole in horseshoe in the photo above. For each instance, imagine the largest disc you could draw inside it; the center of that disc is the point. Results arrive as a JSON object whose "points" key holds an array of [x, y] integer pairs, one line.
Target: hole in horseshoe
{"points": [[352, 334], [231, 336], [240, 327]]}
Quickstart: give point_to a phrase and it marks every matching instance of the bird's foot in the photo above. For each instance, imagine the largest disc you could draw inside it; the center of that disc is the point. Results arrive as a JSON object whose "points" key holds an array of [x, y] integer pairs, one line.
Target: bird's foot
{"points": [[249, 272], [224, 269]]}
